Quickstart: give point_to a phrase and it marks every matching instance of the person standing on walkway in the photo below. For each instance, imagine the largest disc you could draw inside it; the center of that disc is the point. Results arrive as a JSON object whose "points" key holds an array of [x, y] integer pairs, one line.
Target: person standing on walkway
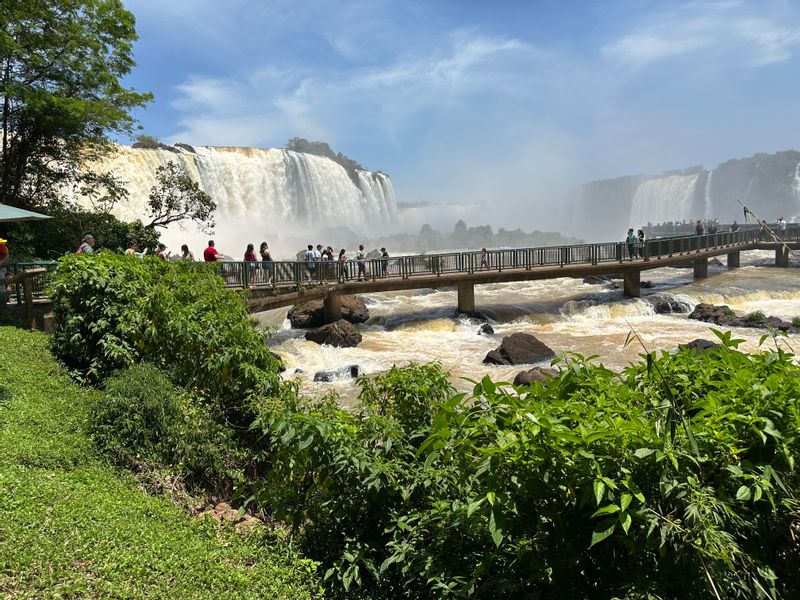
{"points": [[361, 260], [311, 261], [250, 253], [87, 245], [266, 261], [162, 252], [484, 258], [384, 263], [630, 240], [640, 243], [698, 228], [186, 254], [343, 265], [210, 254]]}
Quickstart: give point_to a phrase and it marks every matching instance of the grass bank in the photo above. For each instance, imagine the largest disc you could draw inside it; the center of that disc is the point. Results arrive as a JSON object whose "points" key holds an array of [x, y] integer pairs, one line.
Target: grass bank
{"points": [[70, 525]]}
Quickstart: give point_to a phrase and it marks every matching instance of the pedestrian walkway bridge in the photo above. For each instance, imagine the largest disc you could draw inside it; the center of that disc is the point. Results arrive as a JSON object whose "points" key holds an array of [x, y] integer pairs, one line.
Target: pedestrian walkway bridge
{"points": [[282, 283]]}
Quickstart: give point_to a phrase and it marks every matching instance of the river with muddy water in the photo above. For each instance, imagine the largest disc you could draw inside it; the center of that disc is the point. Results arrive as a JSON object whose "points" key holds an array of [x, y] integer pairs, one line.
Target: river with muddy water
{"points": [[566, 314]]}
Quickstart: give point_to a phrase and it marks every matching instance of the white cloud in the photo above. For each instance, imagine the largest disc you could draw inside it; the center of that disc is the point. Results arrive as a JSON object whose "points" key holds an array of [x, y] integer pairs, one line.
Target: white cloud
{"points": [[748, 34], [318, 103]]}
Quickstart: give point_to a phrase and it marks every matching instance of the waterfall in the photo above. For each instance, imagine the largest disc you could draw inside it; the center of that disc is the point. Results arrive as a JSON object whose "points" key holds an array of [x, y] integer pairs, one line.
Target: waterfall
{"points": [[261, 194], [663, 199], [707, 196]]}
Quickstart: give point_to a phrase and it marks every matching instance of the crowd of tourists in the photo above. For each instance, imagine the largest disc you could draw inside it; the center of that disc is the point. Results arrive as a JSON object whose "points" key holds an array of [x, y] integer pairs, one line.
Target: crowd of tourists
{"points": [[320, 260]]}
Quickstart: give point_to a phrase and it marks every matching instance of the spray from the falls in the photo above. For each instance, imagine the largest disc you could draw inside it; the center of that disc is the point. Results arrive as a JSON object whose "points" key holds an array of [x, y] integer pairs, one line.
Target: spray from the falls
{"points": [[260, 193]]}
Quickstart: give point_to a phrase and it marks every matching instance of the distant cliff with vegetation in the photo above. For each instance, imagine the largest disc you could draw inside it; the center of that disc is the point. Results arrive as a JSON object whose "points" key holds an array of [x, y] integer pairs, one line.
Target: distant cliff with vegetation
{"points": [[769, 184]]}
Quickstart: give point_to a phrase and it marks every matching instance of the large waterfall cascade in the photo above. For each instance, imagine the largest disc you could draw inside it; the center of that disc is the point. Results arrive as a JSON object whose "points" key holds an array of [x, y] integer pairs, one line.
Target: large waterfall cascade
{"points": [[260, 193], [663, 199]]}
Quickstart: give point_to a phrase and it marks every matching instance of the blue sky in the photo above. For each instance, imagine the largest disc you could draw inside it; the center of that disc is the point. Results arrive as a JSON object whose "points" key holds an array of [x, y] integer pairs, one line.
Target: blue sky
{"points": [[469, 101]]}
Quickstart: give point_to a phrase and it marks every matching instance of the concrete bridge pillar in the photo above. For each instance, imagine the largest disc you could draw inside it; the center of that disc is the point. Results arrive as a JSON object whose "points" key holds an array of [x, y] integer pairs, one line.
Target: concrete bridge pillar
{"points": [[466, 297], [733, 260], [781, 256], [631, 284], [332, 307], [701, 268]]}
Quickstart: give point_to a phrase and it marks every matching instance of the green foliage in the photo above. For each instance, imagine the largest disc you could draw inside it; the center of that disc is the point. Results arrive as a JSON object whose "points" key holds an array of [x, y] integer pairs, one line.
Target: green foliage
{"points": [[755, 316], [409, 395], [112, 311], [796, 321], [63, 233], [146, 141], [323, 149], [73, 527], [674, 478], [61, 66], [142, 419], [176, 197]]}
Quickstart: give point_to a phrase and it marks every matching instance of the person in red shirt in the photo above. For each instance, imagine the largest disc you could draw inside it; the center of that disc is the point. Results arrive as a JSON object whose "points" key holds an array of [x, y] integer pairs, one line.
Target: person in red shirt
{"points": [[210, 253]]}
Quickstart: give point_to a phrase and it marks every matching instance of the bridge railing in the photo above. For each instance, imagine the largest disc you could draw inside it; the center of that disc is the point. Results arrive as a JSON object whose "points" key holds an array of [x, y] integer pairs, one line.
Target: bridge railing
{"points": [[289, 273], [38, 281]]}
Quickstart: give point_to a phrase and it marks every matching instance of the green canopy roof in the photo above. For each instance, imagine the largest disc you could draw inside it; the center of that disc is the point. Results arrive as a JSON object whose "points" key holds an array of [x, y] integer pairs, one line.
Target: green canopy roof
{"points": [[9, 214]]}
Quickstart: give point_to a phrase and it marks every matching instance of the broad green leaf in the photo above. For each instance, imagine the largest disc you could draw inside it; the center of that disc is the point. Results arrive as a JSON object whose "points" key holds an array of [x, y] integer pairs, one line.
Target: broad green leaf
{"points": [[643, 452], [490, 496], [625, 500], [625, 520], [602, 530], [599, 490], [743, 493], [495, 531], [608, 509]]}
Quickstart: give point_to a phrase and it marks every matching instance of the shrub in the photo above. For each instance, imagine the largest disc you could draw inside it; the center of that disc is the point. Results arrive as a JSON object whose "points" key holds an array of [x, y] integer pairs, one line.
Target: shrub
{"points": [[410, 395], [673, 478], [796, 321], [143, 421], [755, 316], [112, 311]]}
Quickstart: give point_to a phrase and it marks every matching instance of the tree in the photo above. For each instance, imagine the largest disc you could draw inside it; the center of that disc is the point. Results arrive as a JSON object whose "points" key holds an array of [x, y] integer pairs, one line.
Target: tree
{"points": [[175, 197], [61, 62]]}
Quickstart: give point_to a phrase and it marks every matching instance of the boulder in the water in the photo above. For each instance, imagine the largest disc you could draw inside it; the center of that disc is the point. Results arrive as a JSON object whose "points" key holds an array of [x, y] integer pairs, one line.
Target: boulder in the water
{"points": [[519, 349], [665, 304], [485, 329], [699, 345], [312, 313], [542, 374], [348, 372], [341, 334]]}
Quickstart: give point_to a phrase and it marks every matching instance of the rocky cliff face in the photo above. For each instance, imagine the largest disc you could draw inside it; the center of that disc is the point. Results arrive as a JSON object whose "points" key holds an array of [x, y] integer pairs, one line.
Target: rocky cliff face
{"points": [[768, 183]]}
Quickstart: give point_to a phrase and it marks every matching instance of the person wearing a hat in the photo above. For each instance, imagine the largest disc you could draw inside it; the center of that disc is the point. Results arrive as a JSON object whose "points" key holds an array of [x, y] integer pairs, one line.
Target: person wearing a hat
{"points": [[3, 258], [162, 251], [87, 246]]}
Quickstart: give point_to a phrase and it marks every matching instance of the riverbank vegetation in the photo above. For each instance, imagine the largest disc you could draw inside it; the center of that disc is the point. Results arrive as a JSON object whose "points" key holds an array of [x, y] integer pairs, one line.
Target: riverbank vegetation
{"points": [[72, 526], [675, 477]]}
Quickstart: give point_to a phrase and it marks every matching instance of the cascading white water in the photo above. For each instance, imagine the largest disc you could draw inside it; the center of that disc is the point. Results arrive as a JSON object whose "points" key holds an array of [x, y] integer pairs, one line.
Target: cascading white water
{"points": [[663, 199], [707, 196], [260, 193]]}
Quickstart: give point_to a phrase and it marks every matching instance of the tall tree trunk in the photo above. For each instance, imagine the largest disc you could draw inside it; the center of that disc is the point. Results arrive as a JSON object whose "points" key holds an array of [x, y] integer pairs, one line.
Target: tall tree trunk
{"points": [[4, 183]]}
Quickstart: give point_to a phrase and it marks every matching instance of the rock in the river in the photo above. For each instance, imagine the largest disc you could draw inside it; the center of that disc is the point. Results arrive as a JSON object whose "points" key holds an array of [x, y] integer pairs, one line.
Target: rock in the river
{"points": [[542, 374], [665, 304], [711, 313], [519, 349], [606, 281], [722, 315], [485, 329], [348, 372], [312, 314], [341, 334], [699, 345]]}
